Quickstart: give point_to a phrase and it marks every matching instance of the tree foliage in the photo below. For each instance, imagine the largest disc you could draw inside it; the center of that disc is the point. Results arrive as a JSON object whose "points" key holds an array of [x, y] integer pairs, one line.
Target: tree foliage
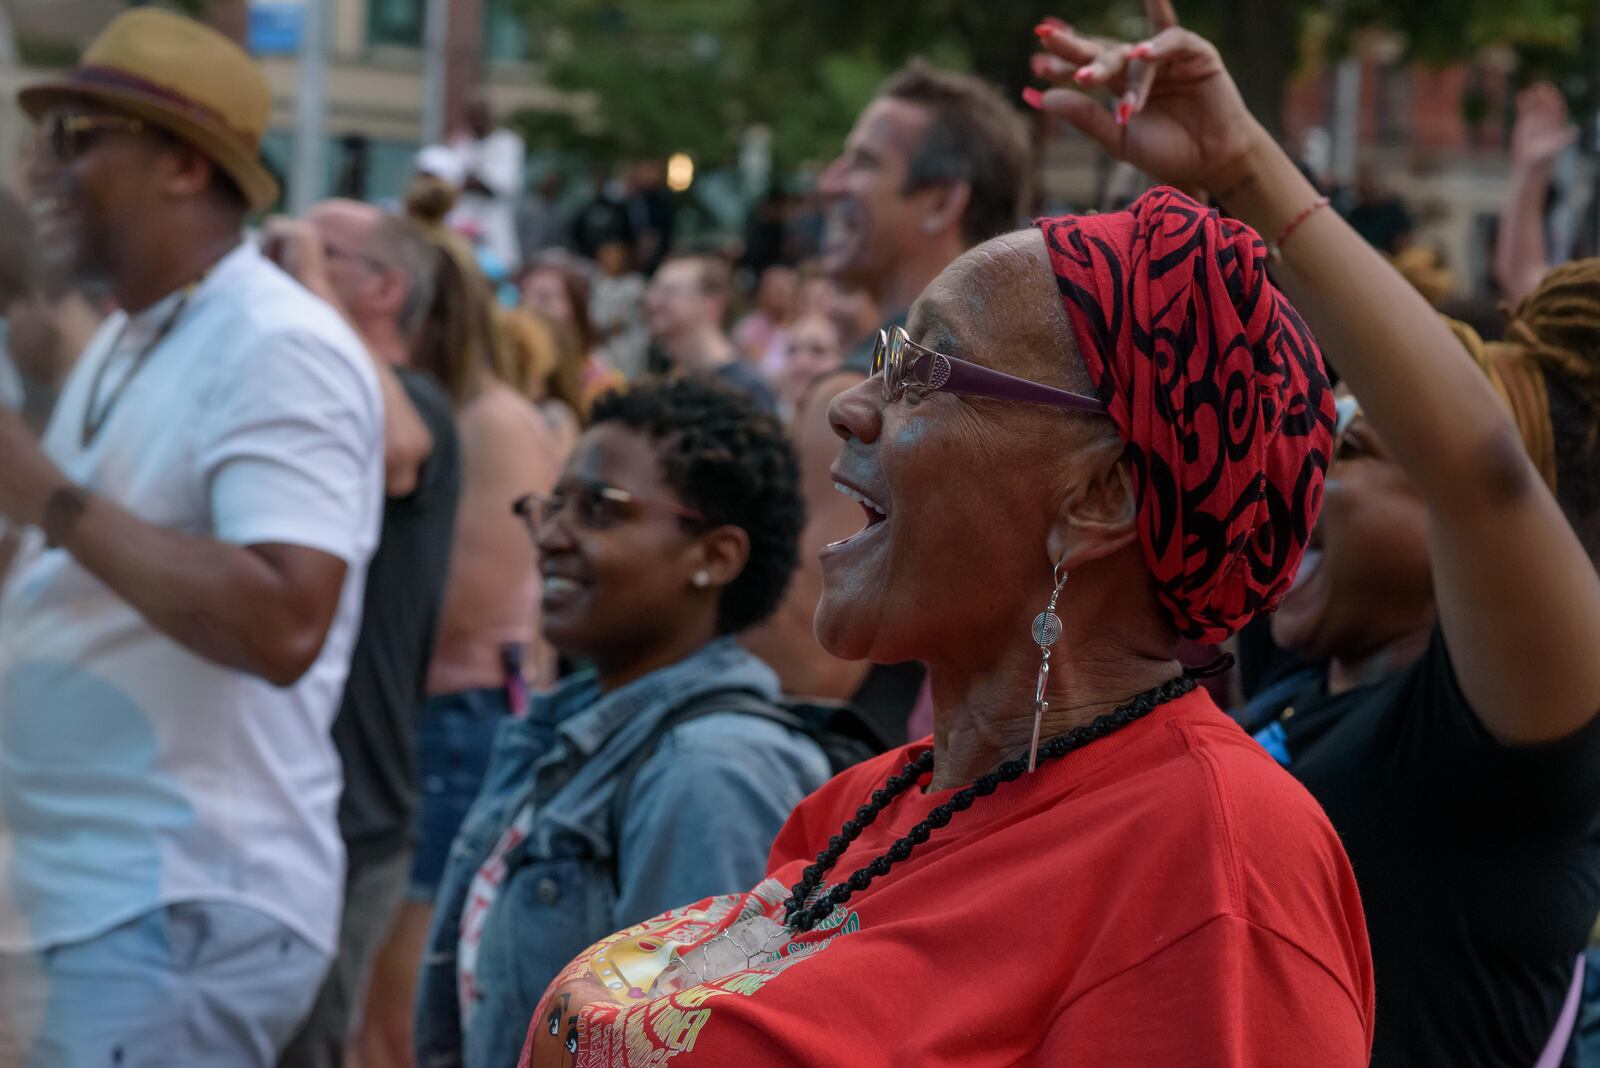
{"points": [[687, 75]]}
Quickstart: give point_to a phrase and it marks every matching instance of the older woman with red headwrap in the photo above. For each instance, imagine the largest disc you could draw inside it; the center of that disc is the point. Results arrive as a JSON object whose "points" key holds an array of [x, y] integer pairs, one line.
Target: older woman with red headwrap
{"points": [[1095, 437], [1453, 738], [1452, 735]]}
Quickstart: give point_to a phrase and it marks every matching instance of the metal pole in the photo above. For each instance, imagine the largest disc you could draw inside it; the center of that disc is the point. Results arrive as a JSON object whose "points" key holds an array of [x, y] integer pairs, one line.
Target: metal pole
{"points": [[1592, 141], [434, 64], [1346, 119], [11, 120], [309, 177]]}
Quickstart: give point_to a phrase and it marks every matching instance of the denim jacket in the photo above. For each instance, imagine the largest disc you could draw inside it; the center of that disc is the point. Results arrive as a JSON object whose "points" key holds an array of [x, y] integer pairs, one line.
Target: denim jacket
{"points": [[704, 811]]}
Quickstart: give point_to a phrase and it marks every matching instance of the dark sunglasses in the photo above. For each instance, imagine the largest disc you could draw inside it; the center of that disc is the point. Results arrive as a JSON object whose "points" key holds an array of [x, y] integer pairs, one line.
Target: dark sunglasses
{"points": [[904, 364], [70, 136], [595, 505]]}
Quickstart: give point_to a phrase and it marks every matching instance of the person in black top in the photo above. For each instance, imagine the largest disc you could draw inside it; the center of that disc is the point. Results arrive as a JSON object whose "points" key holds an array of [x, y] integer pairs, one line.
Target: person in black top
{"points": [[380, 273], [1478, 857], [1452, 738]]}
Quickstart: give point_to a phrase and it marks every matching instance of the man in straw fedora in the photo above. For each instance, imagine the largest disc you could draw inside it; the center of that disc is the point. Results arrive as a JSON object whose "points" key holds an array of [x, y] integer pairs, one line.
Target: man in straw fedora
{"points": [[177, 624]]}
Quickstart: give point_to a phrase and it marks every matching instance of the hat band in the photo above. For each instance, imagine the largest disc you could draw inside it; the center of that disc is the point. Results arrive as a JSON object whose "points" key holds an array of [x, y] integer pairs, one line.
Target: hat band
{"points": [[112, 78]]}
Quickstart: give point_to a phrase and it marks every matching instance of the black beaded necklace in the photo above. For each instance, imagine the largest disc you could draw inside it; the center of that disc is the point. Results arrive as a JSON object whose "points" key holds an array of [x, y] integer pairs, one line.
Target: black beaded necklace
{"points": [[807, 907]]}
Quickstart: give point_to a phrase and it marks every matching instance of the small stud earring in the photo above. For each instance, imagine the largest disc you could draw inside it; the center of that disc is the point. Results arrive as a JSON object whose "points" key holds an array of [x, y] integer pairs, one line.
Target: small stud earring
{"points": [[702, 579]]}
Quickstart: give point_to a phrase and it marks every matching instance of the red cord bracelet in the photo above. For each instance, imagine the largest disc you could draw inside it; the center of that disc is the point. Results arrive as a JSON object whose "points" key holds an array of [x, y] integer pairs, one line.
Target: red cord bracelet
{"points": [[1294, 224]]}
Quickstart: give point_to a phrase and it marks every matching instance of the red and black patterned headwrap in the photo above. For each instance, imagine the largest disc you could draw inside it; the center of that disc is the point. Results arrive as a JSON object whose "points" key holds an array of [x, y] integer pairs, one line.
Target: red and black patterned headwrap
{"points": [[1219, 391]]}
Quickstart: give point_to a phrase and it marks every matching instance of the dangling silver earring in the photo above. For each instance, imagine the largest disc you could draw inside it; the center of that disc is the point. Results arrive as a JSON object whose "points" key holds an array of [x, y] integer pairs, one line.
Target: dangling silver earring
{"points": [[702, 579], [1046, 629]]}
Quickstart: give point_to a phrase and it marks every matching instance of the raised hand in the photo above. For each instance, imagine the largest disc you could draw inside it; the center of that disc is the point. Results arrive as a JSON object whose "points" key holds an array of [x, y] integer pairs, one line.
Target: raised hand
{"points": [[1186, 125], [1541, 132], [294, 245]]}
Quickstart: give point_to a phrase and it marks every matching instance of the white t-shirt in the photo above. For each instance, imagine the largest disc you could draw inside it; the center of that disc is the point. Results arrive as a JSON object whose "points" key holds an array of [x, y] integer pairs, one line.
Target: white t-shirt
{"points": [[133, 773], [10, 397], [498, 160]]}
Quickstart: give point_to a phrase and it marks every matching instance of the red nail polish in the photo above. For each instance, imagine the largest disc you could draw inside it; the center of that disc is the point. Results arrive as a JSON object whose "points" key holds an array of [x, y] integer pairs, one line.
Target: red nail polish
{"points": [[1124, 113], [1141, 51], [1044, 29], [1082, 74], [1033, 98], [1040, 65]]}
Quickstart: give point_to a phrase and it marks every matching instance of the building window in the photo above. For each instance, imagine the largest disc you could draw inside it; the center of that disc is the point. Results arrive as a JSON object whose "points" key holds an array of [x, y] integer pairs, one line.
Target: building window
{"points": [[396, 22], [505, 32]]}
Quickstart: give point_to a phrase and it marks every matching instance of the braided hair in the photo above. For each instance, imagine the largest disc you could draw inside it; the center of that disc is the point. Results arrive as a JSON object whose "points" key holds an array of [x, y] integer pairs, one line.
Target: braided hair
{"points": [[805, 908], [1558, 326], [734, 465], [1548, 371]]}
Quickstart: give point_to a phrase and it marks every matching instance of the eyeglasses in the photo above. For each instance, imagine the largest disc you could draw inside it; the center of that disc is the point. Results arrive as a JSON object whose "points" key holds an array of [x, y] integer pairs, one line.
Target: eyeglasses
{"points": [[69, 136], [333, 252], [595, 505], [904, 365]]}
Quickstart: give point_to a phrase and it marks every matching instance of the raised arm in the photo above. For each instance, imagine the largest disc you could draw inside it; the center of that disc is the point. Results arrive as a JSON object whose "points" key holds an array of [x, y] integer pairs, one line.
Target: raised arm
{"points": [[1518, 598], [1540, 135]]}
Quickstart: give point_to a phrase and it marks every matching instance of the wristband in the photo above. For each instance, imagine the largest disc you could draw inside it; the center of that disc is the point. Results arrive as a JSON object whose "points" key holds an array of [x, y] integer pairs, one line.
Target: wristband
{"points": [[61, 512], [1276, 248]]}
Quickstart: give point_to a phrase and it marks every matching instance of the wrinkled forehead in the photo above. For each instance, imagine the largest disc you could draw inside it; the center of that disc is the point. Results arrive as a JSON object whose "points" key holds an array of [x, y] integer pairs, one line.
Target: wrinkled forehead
{"points": [[997, 305]]}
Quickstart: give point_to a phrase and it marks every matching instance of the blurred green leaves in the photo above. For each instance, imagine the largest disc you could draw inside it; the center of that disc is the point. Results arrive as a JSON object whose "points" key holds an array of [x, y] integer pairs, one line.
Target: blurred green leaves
{"points": [[689, 75]]}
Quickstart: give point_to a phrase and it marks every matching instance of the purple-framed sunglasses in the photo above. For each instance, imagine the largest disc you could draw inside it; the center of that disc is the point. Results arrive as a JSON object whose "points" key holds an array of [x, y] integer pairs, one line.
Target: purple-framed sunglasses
{"points": [[904, 363]]}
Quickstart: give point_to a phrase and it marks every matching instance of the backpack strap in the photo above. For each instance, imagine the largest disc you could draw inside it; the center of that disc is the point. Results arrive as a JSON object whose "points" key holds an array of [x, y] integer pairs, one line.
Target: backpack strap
{"points": [[743, 702]]}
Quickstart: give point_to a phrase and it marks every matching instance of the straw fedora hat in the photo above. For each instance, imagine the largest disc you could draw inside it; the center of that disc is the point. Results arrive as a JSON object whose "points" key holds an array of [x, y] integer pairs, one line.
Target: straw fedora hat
{"points": [[182, 76]]}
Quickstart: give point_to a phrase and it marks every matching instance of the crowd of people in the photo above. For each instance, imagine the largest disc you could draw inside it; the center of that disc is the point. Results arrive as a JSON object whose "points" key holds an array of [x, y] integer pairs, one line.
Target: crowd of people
{"points": [[460, 634]]}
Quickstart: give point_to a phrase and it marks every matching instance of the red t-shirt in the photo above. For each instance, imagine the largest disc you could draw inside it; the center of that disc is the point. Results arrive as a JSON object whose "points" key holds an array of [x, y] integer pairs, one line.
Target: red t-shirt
{"points": [[1164, 896]]}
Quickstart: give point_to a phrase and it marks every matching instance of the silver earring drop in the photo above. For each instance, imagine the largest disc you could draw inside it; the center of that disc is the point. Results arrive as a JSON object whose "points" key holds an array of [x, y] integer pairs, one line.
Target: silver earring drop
{"points": [[702, 579], [1046, 629]]}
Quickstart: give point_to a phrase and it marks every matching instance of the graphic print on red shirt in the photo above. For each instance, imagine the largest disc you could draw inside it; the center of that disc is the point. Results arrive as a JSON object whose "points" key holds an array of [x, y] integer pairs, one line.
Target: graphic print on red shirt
{"points": [[1167, 895]]}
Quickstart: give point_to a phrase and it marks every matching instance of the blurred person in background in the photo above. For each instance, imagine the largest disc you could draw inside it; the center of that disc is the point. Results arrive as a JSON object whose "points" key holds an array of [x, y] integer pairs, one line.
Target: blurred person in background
{"points": [[492, 158], [556, 286], [537, 365], [766, 230], [1378, 214], [1541, 134], [541, 222], [489, 652], [1423, 266], [177, 628], [1449, 587], [604, 219], [378, 270], [815, 293], [937, 163], [759, 333], [671, 530], [652, 213], [616, 309], [814, 349], [48, 321], [685, 308]]}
